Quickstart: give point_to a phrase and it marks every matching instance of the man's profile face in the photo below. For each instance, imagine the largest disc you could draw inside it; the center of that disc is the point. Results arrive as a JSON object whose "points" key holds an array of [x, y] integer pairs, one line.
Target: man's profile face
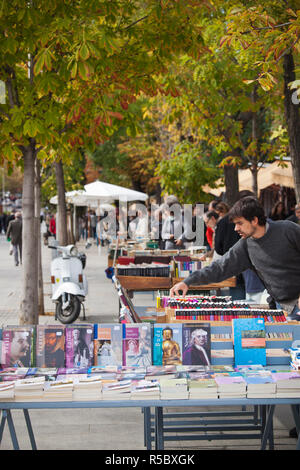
{"points": [[19, 345], [297, 212], [245, 228]]}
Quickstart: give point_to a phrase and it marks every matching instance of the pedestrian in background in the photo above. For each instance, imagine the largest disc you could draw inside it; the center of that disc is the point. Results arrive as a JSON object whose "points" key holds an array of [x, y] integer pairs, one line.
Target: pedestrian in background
{"points": [[14, 232]]}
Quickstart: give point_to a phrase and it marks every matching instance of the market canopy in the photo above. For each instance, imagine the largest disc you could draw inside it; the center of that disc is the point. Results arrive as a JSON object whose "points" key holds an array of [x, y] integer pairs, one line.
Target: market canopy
{"points": [[109, 192], [271, 174], [80, 197]]}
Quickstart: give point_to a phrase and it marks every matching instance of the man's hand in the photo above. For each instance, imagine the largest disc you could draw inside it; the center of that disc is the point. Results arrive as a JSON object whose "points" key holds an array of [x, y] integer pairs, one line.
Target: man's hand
{"points": [[178, 242], [180, 286]]}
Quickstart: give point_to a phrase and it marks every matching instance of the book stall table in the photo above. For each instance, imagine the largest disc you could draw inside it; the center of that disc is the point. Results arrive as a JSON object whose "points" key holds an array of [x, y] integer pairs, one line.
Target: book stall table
{"points": [[265, 431], [279, 336]]}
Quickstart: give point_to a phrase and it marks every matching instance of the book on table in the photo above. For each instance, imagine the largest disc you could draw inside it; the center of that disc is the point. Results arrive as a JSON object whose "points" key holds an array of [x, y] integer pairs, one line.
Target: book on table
{"points": [[50, 346], [287, 384], [173, 388], [145, 390], [30, 389], [203, 388], [87, 388], [249, 341], [79, 345], [137, 345], [18, 346], [231, 386], [108, 344], [167, 344]]}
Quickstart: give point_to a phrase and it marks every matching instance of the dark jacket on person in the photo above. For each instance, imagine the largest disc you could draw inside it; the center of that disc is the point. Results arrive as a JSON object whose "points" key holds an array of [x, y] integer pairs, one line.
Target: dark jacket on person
{"points": [[275, 257], [14, 231]]}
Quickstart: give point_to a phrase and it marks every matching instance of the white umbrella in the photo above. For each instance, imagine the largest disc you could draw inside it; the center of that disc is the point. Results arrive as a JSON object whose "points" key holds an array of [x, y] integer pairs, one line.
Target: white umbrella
{"points": [[109, 192]]}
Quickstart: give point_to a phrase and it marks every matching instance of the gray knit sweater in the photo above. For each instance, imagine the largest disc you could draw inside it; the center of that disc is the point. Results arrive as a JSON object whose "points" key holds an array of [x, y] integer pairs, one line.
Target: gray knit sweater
{"points": [[275, 257]]}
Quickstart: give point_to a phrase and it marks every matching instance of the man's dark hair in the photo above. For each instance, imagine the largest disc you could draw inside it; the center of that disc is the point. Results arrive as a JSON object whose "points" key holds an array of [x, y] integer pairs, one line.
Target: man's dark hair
{"points": [[248, 207]]}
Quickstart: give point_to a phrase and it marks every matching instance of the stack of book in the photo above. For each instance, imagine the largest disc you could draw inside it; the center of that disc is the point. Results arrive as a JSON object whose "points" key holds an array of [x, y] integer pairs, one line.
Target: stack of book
{"points": [[7, 391], [231, 386], [87, 388], [29, 389], [260, 385], [59, 390], [203, 388], [145, 390], [287, 384], [173, 389], [116, 390]]}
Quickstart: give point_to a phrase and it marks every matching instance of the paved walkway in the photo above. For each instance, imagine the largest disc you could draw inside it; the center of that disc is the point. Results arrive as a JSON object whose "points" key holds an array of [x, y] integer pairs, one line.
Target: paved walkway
{"points": [[107, 429]]}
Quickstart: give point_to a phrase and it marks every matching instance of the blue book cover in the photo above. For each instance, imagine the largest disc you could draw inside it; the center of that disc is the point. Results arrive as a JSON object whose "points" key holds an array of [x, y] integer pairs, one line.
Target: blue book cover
{"points": [[249, 341], [167, 344]]}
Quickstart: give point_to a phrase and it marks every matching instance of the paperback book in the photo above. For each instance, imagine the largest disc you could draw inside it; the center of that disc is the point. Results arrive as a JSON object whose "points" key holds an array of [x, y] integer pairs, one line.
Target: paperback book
{"points": [[196, 344], [50, 346], [137, 345], [167, 344], [18, 346], [108, 344], [249, 341], [145, 390], [176, 388], [79, 345], [203, 388]]}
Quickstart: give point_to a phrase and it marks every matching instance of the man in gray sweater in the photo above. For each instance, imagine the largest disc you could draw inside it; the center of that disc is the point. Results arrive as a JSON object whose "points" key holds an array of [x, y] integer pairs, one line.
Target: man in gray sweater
{"points": [[271, 249]]}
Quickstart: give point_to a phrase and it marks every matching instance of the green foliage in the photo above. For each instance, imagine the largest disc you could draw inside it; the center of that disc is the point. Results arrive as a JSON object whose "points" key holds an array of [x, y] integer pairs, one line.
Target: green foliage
{"points": [[186, 172]]}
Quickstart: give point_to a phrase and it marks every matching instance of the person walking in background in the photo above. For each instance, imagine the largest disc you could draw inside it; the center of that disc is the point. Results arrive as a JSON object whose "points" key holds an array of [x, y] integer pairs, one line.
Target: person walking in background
{"points": [[296, 216], [278, 212], [14, 232], [52, 226]]}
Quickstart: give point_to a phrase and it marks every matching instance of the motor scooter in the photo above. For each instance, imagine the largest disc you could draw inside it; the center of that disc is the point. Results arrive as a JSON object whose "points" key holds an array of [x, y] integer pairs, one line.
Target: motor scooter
{"points": [[69, 284]]}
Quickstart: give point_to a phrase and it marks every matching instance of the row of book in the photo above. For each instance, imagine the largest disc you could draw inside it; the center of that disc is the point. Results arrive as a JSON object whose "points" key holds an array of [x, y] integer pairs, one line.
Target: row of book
{"points": [[191, 301], [185, 268], [131, 344], [164, 383], [228, 314], [146, 270]]}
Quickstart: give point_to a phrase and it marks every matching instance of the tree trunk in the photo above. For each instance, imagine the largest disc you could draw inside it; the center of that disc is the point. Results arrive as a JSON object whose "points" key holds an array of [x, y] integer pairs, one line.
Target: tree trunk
{"points": [[29, 302], [231, 177], [255, 157], [41, 310], [292, 120], [254, 172], [61, 224]]}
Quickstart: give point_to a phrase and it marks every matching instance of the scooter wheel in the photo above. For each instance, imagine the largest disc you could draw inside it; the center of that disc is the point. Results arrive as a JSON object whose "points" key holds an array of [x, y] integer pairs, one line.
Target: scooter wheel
{"points": [[69, 314]]}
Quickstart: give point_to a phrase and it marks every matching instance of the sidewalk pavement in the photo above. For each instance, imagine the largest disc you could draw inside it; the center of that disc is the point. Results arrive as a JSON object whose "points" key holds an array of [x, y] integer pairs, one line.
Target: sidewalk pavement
{"points": [[94, 429]]}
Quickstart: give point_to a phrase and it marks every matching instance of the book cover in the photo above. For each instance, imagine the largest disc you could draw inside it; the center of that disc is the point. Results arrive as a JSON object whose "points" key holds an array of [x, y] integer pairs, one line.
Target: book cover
{"points": [[108, 344], [249, 341], [18, 346], [137, 345], [196, 344], [79, 346], [167, 344], [50, 346]]}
